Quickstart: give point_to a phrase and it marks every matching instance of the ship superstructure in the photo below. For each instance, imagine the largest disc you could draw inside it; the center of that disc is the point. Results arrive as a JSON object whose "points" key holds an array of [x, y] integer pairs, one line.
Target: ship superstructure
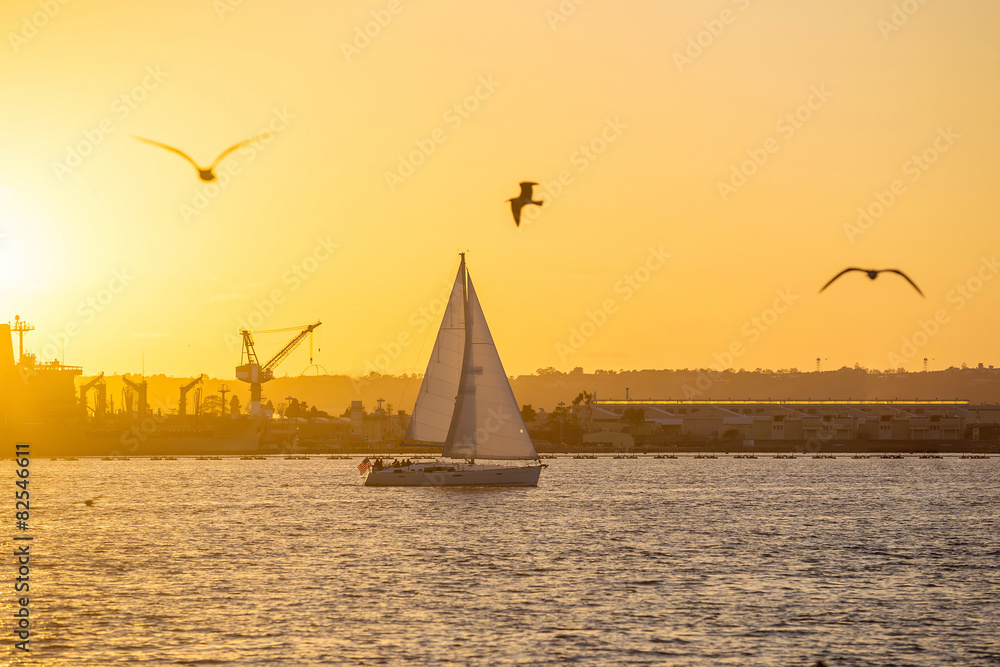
{"points": [[41, 403]]}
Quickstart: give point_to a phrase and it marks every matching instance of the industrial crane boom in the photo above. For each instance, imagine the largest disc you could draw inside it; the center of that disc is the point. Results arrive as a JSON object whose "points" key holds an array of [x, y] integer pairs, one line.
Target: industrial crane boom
{"points": [[287, 350], [182, 404], [255, 374], [99, 400], [140, 388], [87, 386]]}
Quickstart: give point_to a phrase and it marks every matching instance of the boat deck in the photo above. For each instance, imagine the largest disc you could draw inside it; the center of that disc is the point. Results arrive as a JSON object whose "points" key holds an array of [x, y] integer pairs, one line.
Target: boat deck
{"points": [[440, 473]]}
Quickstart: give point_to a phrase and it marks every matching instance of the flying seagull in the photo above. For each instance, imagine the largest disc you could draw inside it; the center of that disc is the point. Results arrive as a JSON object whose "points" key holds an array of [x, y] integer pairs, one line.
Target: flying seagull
{"points": [[522, 200], [89, 502], [205, 174], [873, 273]]}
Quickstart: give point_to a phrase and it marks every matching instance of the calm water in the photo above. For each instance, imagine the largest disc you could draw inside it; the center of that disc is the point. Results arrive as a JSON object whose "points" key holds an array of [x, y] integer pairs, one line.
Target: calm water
{"points": [[671, 562]]}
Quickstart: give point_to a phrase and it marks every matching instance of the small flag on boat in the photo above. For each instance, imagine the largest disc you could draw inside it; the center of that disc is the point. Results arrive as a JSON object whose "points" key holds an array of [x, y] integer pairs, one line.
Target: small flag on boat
{"points": [[364, 465]]}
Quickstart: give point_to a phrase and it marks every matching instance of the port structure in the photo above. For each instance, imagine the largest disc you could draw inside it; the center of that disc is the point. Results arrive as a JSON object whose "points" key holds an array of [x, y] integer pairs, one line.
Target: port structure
{"points": [[223, 390], [21, 327], [182, 403], [250, 369], [140, 388], [100, 396]]}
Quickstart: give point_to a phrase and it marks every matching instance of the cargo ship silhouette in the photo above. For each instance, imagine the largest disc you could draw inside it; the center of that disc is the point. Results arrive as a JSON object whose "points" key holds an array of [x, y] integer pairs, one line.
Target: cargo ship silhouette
{"points": [[40, 403]]}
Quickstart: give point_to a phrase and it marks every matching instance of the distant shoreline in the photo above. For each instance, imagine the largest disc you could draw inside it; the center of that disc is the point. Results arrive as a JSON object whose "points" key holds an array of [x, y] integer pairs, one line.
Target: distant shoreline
{"points": [[771, 447]]}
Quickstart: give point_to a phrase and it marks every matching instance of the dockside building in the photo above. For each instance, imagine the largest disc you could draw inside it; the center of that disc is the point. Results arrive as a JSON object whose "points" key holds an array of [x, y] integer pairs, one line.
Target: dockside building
{"points": [[802, 420]]}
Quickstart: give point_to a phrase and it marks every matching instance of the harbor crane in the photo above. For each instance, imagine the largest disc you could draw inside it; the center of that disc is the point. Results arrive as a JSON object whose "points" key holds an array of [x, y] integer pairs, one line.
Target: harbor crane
{"points": [[250, 369], [141, 389], [100, 396], [182, 404]]}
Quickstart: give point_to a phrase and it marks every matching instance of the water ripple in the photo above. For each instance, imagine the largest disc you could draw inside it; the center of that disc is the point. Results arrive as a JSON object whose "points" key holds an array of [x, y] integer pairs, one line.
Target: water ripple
{"points": [[607, 562]]}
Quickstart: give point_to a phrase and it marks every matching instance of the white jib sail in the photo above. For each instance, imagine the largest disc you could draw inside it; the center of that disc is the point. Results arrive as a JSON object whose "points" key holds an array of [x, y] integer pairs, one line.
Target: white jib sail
{"points": [[435, 403], [487, 423]]}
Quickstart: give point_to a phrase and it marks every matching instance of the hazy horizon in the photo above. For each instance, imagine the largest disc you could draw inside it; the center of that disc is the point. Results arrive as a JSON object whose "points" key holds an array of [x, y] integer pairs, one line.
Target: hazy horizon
{"points": [[705, 168]]}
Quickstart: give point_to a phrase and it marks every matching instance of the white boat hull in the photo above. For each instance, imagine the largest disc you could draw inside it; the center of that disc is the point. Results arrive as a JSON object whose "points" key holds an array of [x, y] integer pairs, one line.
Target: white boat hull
{"points": [[454, 474]]}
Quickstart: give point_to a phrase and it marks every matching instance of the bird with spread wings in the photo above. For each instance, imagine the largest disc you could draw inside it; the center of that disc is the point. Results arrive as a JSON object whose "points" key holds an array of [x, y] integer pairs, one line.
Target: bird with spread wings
{"points": [[873, 273], [205, 174], [522, 200]]}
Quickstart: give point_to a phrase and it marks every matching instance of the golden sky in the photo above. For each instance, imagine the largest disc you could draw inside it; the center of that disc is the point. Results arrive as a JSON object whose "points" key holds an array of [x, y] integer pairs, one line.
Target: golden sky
{"points": [[703, 165]]}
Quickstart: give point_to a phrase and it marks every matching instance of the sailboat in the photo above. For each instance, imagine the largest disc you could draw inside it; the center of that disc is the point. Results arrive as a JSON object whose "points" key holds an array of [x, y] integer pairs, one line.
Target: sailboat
{"points": [[465, 403]]}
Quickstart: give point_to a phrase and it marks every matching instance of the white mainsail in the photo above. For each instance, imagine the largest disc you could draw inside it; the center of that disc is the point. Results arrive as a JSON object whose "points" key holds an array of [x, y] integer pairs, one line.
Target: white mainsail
{"points": [[435, 403], [486, 422]]}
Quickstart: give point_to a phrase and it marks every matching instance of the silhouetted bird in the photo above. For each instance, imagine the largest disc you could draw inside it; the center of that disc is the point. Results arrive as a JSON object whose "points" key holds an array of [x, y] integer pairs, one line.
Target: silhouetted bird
{"points": [[522, 200], [205, 174], [88, 503], [873, 273]]}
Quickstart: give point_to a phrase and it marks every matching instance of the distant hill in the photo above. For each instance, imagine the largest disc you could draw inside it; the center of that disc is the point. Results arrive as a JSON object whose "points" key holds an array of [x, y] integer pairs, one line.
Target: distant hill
{"points": [[547, 387]]}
